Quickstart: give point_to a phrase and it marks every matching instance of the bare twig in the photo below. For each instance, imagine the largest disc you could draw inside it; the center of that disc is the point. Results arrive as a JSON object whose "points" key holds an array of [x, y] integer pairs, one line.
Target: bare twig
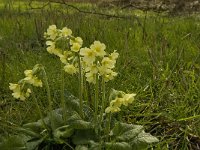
{"points": [[62, 2]]}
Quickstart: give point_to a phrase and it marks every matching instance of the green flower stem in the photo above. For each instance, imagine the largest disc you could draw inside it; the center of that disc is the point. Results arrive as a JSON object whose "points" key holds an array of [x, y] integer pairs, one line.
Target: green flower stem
{"points": [[48, 93], [38, 108], [108, 127], [63, 104], [96, 100], [80, 86], [103, 99]]}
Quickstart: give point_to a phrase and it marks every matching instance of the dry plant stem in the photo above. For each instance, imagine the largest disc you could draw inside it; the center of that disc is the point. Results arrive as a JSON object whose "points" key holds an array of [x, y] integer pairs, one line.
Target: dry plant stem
{"points": [[62, 94], [103, 99], [80, 87], [96, 99], [38, 108]]}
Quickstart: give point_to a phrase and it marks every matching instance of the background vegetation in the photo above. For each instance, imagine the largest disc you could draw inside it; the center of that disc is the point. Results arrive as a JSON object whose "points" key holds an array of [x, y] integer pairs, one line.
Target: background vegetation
{"points": [[159, 60]]}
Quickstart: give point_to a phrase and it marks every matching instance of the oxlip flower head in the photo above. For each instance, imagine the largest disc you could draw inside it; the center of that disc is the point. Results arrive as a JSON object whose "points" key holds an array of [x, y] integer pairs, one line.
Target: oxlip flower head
{"points": [[99, 48], [71, 69], [88, 55], [75, 47], [52, 32], [119, 98], [76, 40], [32, 79], [18, 91], [65, 32], [128, 99]]}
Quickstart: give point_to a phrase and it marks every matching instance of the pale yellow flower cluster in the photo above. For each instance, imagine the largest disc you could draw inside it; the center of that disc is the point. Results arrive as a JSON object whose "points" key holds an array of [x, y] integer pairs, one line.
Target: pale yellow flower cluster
{"points": [[118, 101], [32, 79], [96, 62], [69, 56], [19, 90]]}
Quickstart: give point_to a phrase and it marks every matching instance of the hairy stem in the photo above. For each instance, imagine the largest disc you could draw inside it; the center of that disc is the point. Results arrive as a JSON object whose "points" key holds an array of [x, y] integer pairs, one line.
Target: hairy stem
{"points": [[80, 87], [38, 108], [96, 100], [103, 99], [108, 126], [48, 94], [63, 104]]}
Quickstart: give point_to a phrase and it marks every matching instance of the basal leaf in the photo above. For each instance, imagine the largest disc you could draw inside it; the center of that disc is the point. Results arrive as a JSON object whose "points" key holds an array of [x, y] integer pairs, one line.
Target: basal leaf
{"points": [[125, 132], [62, 133], [28, 132], [118, 146], [72, 102], [81, 147], [128, 135], [78, 123], [143, 140], [13, 143], [84, 137], [36, 127], [57, 119]]}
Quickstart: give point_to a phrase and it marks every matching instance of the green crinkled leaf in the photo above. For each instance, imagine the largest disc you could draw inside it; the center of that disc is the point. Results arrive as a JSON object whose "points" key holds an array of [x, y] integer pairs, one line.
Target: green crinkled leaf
{"points": [[81, 147], [94, 145], [78, 123], [88, 113], [57, 119], [29, 132], [72, 102], [125, 132], [147, 138], [13, 143], [143, 140], [84, 137], [118, 146], [63, 133], [32, 144], [134, 135], [36, 127], [128, 135]]}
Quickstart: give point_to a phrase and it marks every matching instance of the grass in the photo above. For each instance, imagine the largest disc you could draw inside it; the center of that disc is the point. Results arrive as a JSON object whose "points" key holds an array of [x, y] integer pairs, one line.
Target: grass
{"points": [[159, 60]]}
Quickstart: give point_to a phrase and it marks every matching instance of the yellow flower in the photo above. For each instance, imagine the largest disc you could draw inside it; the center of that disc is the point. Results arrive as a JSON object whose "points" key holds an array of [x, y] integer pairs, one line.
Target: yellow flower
{"points": [[107, 62], [91, 77], [52, 32], [27, 94], [71, 69], [112, 109], [89, 55], [114, 55], [99, 48], [52, 48], [128, 99], [32, 79], [91, 68], [103, 70], [116, 102], [28, 73], [76, 40], [110, 76], [75, 47], [14, 87], [66, 32], [18, 93]]}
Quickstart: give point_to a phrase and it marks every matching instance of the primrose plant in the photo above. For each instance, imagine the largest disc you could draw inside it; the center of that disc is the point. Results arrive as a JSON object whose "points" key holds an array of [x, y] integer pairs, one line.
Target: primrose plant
{"points": [[79, 123]]}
